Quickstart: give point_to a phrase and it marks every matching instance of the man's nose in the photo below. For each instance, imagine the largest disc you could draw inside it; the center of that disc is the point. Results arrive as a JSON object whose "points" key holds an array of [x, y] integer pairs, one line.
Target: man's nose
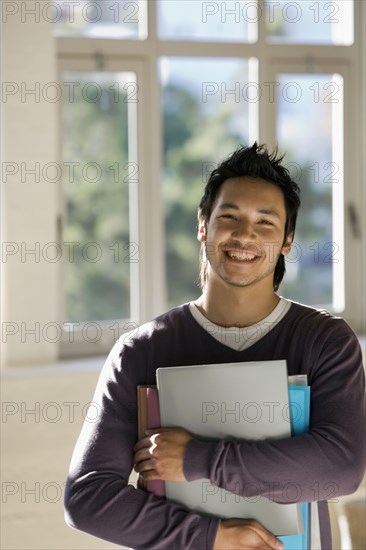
{"points": [[244, 231]]}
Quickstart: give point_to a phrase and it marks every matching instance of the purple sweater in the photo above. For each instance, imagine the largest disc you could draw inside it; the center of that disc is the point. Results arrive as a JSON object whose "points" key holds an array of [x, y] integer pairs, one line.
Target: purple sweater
{"points": [[326, 463]]}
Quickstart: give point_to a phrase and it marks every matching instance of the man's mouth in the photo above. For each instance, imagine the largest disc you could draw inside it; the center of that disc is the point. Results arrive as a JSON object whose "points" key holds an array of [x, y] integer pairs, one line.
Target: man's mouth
{"points": [[241, 256]]}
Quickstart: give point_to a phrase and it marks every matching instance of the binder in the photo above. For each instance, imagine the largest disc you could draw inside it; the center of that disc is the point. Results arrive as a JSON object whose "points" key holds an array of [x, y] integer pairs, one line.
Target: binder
{"points": [[299, 402], [148, 415]]}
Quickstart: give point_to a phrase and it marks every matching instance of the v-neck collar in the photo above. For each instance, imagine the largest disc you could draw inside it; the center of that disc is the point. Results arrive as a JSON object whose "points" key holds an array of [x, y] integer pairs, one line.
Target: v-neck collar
{"points": [[221, 345]]}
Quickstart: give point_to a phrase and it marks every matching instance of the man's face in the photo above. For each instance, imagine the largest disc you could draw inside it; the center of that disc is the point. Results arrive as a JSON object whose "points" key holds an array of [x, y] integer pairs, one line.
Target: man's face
{"points": [[245, 233]]}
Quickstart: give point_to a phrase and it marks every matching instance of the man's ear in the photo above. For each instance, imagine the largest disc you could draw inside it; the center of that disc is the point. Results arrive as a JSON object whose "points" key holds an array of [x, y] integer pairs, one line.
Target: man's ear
{"points": [[201, 235], [286, 247]]}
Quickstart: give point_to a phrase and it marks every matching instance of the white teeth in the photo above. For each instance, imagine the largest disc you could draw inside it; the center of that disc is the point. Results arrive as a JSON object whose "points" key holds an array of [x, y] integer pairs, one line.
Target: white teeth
{"points": [[241, 256]]}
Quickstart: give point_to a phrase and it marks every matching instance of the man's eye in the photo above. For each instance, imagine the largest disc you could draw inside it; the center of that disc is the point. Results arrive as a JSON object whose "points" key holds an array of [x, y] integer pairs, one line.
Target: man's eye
{"points": [[265, 222], [228, 216]]}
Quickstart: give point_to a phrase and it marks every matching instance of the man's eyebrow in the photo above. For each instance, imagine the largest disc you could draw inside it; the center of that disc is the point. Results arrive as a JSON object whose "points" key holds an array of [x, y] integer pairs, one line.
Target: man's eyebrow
{"points": [[269, 212], [228, 205], [266, 211]]}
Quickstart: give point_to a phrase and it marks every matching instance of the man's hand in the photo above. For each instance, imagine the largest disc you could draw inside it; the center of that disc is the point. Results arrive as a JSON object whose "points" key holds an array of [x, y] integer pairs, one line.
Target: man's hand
{"points": [[242, 534], [160, 454]]}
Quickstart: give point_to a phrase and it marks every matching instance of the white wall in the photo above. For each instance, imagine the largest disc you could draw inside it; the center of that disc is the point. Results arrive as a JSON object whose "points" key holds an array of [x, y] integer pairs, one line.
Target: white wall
{"points": [[39, 424], [29, 136]]}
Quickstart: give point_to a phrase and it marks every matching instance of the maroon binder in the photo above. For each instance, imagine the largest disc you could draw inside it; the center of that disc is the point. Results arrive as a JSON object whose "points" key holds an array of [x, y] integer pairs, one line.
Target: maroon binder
{"points": [[149, 418]]}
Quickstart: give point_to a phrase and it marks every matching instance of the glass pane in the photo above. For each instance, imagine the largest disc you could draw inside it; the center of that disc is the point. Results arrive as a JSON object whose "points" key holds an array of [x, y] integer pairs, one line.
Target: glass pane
{"points": [[310, 131], [307, 22], [100, 18], [204, 120], [208, 21], [97, 175]]}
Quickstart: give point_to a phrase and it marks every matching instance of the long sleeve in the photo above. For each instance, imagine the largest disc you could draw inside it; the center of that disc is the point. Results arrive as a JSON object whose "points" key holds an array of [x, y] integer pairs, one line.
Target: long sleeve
{"points": [[98, 498], [327, 462]]}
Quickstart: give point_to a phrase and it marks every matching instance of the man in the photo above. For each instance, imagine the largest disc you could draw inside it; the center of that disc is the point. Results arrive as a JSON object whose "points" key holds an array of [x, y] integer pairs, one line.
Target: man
{"points": [[247, 219]]}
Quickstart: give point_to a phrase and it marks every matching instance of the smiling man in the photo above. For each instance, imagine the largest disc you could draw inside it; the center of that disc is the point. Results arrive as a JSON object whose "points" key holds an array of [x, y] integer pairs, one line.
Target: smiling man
{"points": [[247, 219], [244, 238]]}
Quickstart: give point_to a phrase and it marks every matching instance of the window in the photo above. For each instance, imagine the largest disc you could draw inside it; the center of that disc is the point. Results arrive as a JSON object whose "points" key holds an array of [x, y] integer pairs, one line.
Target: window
{"points": [[117, 19], [206, 21], [215, 75], [98, 174], [319, 22], [101, 117], [203, 120], [309, 126]]}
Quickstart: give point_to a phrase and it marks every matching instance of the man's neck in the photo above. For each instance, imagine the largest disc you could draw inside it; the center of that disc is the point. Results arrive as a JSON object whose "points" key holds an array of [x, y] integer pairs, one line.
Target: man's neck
{"points": [[229, 306]]}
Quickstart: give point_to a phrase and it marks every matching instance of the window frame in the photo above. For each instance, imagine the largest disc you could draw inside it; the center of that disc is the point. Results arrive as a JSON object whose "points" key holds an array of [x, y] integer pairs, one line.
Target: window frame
{"points": [[145, 292], [351, 170], [346, 60]]}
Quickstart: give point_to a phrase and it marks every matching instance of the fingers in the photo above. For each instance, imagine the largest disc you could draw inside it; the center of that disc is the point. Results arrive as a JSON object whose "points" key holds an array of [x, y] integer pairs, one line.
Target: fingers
{"points": [[147, 469], [155, 432], [144, 461], [164, 436], [268, 538], [142, 443], [163, 452], [143, 458], [239, 534], [141, 455], [143, 466]]}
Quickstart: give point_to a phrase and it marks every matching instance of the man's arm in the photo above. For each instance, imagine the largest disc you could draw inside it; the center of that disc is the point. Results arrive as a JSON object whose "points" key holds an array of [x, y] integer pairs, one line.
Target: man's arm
{"points": [[326, 463], [98, 498]]}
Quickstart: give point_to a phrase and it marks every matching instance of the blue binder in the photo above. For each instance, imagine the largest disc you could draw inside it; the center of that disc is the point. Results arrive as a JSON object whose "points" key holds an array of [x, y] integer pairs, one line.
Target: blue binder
{"points": [[299, 400]]}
